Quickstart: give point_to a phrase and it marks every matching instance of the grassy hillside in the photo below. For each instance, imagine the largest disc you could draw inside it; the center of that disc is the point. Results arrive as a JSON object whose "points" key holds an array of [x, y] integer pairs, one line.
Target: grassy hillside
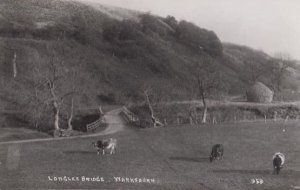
{"points": [[252, 65], [95, 55]]}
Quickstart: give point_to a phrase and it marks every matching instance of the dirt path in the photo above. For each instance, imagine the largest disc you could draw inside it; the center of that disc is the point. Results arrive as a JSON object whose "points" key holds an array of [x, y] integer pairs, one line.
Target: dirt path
{"points": [[115, 122], [112, 118]]}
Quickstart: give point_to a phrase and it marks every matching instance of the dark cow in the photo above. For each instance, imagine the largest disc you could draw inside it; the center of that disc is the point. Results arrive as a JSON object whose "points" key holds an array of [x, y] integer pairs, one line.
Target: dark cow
{"points": [[278, 161], [101, 145], [107, 144], [217, 152]]}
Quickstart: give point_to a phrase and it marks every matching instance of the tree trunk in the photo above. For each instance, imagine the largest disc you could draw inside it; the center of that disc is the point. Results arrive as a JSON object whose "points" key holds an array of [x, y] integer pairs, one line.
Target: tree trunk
{"points": [[155, 121], [56, 115], [204, 110], [70, 127], [15, 66], [55, 105], [204, 115]]}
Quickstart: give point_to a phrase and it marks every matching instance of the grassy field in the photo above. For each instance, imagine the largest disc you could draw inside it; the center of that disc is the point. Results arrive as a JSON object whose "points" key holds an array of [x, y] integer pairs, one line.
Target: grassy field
{"points": [[176, 158], [9, 134]]}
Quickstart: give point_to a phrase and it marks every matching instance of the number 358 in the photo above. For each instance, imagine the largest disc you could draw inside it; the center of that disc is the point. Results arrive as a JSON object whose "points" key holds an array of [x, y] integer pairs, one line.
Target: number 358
{"points": [[257, 181]]}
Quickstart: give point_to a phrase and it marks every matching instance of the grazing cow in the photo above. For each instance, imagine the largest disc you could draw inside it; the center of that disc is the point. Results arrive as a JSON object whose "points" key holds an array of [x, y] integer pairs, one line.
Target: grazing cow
{"points": [[217, 152], [278, 161], [106, 144]]}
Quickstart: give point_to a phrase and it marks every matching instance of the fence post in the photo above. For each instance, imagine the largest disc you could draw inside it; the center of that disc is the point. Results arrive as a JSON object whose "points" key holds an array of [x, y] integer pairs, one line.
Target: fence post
{"points": [[214, 120], [178, 120], [191, 120], [265, 119], [287, 117], [165, 121], [275, 115], [234, 118]]}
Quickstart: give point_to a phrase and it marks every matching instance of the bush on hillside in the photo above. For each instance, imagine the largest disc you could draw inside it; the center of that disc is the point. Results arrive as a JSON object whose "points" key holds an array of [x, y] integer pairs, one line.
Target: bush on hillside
{"points": [[107, 99], [130, 31], [128, 41], [287, 95], [153, 25], [171, 21], [111, 31], [199, 39], [116, 32]]}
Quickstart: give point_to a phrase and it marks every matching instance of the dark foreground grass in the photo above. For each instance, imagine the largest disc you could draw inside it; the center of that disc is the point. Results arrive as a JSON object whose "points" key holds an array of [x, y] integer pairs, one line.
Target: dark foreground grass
{"points": [[176, 158]]}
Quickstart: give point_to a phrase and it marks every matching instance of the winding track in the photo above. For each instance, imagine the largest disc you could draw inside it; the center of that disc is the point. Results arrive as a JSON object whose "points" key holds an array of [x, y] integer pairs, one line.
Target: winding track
{"points": [[112, 118]]}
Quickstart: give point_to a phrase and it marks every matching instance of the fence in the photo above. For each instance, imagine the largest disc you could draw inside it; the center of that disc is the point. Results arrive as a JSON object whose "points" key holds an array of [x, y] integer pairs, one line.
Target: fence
{"points": [[93, 126], [129, 117], [217, 116], [214, 120]]}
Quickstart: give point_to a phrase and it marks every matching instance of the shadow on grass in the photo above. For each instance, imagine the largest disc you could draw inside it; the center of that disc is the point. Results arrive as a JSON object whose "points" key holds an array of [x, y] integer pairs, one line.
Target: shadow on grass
{"points": [[257, 172], [189, 159], [79, 152]]}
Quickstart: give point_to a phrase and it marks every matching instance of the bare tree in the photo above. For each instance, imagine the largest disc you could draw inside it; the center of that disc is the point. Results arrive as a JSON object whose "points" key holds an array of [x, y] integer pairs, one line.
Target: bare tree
{"points": [[45, 93], [155, 120], [279, 70], [209, 81], [71, 115], [255, 69], [15, 65], [50, 76], [56, 108], [55, 84]]}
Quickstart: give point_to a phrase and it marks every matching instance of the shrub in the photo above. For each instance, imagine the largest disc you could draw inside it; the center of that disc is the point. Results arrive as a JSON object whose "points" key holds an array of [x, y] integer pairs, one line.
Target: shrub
{"points": [[153, 25], [111, 30], [199, 39], [171, 21], [130, 31], [108, 99]]}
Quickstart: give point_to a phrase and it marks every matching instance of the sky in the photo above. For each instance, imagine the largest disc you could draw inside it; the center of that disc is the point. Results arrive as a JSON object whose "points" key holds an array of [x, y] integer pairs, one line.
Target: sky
{"points": [[269, 25]]}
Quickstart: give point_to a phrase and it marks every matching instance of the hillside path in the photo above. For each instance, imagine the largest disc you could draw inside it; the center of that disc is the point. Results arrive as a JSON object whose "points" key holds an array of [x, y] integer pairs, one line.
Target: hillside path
{"points": [[112, 118]]}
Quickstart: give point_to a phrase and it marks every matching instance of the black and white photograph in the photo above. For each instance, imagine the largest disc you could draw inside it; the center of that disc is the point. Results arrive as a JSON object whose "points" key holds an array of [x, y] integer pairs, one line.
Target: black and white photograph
{"points": [[150, 94]]}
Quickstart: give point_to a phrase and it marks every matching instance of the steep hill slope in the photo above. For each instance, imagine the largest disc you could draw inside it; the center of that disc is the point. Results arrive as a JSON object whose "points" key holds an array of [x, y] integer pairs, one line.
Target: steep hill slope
{"points": [[72, 52], [67, 54]]}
